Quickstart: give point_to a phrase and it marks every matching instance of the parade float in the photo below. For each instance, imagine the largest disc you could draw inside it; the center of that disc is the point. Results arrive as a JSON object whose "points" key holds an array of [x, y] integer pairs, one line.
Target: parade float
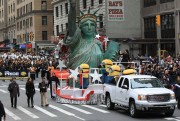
{"points": [[88, 62]]}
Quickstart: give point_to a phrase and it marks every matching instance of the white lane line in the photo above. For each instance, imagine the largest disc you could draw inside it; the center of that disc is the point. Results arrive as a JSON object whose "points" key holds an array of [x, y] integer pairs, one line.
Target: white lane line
{"points": [[44, 111], [3, 91], [174, 119], [9, 113], [78, 109], [23, 88], [37, 89], [97, 109], [103, 106], [65, 112], [27, 112]]}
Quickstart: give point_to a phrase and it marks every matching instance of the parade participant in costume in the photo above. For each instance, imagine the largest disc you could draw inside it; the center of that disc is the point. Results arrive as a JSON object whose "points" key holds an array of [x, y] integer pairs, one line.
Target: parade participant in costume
{"points": [[30, 91], [2, 112], [105, 69], [114, 73], [13, 88], [83, 75], [32, 71], [84, 47], [56, 80], [129, 72]]}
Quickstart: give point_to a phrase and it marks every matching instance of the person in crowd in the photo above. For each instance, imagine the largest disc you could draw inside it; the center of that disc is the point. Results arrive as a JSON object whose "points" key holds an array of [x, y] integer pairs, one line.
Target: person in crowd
{"points": [[30, 91], [125, 58], [177, 92], [43, 91], [2, 112], [32, 71], [14, 92], [56, 80], [48, 74]]}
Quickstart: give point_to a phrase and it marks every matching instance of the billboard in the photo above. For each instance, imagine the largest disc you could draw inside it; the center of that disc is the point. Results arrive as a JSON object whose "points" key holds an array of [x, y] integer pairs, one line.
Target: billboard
{"points": [[115, 10]]}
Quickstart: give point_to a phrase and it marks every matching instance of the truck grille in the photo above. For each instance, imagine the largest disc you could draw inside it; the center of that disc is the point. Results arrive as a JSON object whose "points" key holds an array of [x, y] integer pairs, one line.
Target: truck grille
{"points": [[158, 98]]}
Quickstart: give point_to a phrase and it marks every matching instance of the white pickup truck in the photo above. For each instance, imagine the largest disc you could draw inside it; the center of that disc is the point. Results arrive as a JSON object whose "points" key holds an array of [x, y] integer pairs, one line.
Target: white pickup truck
{"points": [[140, 93]]}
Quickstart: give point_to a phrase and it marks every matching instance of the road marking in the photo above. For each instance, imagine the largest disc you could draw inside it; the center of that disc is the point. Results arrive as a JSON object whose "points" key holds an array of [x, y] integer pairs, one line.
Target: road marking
{"points": [[94, 108], [78, 109], [44, 111], [65, 112], [103, 106], [37, 89], [12, 114], [27, 112], [23, 88], [174, 119], [3, 91]]}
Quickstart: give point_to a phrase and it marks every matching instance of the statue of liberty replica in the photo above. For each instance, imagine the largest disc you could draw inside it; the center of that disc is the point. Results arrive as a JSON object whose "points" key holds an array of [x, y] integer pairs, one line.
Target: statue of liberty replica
{"points": [[81, 41]]}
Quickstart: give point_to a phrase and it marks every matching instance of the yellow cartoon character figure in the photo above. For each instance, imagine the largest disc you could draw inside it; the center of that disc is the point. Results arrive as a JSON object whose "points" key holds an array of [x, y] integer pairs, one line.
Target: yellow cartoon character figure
{"points": [[83, 75], [114, 74], [129, 72], [105, 64]]}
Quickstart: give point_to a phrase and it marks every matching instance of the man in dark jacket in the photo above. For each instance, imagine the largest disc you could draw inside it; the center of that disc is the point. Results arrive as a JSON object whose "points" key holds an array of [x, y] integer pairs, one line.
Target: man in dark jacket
{"points": [[177, 93], [2, 112], [56, 80], [14, 92]]}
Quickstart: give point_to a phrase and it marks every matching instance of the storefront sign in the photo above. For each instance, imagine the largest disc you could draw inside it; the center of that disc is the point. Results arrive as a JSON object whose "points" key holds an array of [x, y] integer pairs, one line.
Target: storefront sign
{"points": [[115, 10]]}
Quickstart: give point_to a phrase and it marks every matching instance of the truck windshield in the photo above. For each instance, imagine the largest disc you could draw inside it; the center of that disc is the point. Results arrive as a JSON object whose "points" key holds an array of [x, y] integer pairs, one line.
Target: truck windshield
{"points": [[145, 83]]}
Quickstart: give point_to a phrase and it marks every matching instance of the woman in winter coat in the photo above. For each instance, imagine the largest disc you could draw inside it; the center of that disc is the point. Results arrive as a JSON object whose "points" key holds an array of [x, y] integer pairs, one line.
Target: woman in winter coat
{"points": [[30, 91]]}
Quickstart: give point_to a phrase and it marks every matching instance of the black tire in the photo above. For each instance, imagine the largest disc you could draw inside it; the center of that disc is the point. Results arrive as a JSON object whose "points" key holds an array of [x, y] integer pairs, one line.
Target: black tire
{"points": [[169, 113], [132, 109], [110, 105]]}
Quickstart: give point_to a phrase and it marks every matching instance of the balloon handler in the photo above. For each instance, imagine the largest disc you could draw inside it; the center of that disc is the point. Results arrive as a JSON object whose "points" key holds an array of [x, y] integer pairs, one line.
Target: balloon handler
{"points": [[114, 74], [83, 75], [105, 64]]}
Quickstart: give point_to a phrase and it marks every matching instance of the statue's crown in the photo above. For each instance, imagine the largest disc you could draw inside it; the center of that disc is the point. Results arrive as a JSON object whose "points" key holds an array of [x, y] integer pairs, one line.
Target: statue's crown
{"points": [[88, 15]]}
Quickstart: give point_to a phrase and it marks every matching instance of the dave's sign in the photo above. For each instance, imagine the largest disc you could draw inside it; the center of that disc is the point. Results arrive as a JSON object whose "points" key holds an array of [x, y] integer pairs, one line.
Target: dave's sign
{"points": [[115, 10]]}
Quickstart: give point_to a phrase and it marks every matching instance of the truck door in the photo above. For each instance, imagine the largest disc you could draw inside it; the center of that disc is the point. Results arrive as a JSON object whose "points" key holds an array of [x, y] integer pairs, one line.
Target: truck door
{"points": [[124, 92], [118, 90]]}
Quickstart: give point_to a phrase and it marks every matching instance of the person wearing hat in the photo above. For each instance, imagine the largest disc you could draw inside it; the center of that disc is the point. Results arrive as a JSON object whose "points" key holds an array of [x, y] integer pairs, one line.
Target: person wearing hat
{"points": [[2, 112]]}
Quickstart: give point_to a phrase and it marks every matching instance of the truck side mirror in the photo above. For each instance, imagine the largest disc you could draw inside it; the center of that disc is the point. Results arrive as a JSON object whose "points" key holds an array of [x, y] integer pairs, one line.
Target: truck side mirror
{"points": [[125, 87]]}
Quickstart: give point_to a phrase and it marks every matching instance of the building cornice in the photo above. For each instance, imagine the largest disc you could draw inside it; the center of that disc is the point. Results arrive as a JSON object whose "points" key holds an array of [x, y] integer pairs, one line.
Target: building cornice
{"points": [[35, 12]]}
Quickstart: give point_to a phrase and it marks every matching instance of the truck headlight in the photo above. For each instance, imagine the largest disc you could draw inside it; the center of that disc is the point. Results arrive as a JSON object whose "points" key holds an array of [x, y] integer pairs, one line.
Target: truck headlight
{"points": [[172, 96], [142, 97]]}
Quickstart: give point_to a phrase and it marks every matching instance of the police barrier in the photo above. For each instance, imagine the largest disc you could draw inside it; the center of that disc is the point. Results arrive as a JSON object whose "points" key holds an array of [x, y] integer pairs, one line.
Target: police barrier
{"points": [[19, 74]]}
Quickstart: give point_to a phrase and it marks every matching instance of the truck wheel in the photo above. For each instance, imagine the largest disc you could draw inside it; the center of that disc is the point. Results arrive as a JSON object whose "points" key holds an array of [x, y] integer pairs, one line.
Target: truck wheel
{"points": [[109, 104], [169, 113], [132, 109]]}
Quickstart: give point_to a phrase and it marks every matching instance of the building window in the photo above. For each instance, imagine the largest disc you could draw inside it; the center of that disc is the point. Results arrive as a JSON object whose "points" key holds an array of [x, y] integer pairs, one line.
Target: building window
{"points": [[61, 10], [18, 26], [167, 26], [101, 21], [44, 35], [57, 11], [62, 28], [66, 7], [66, 26], [150, 27], [31, 22], [148, 3], [100, 1], [43, 5], [44, 20], [165, 1], [30, 7], [57, 30], [92, 2], [84, 4]]}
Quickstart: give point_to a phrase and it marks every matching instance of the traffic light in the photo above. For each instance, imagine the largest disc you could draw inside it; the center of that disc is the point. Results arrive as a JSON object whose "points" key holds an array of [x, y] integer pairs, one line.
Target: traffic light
{"points": [[158, 20]]}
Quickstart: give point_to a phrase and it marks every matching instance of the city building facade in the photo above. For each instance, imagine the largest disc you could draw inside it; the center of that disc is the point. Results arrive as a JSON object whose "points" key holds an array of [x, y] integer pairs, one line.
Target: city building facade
{"points": [[26, 21]]}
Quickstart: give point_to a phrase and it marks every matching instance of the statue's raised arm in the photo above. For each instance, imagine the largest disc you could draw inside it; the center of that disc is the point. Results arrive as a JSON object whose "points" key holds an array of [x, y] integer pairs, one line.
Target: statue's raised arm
{"points": [[72, 18]]}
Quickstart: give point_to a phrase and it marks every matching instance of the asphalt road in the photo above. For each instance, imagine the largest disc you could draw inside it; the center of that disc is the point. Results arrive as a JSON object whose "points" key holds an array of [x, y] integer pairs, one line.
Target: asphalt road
{"points": [[66, 112]]}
